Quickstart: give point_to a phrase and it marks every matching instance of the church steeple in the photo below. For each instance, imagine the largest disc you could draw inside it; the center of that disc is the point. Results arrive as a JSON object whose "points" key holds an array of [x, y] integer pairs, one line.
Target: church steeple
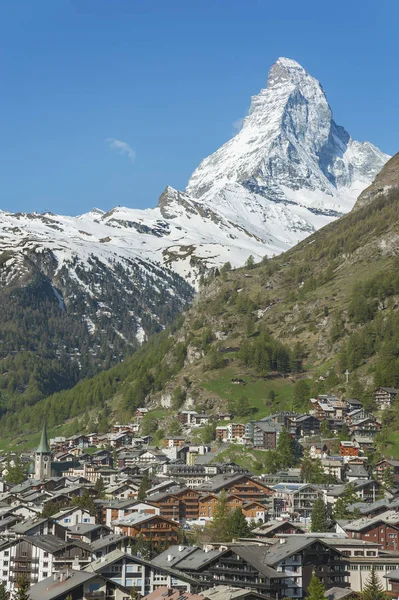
{"points": [[43, 457], [43, 447]]}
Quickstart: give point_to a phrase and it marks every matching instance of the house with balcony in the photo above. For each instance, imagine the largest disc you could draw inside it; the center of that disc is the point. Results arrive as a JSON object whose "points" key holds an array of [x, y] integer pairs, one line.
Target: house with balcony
{"points": [[282, 570], [384, 397], [133, 572], [39, 556], [385, 464], [151, 528], [77, 584], [295, 499]]}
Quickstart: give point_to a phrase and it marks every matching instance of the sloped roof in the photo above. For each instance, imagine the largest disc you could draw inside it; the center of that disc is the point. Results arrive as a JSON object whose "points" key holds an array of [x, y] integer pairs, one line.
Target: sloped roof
{"points": [[43, 447]]}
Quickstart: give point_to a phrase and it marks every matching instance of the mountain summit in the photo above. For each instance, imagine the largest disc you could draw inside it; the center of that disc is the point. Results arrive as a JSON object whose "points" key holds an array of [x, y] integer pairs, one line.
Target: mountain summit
{"points": [[290, 150]]}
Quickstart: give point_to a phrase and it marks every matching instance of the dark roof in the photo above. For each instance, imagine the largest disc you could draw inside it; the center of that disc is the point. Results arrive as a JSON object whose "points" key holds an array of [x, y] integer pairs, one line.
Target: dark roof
{"points": [[279, 552], [50, 543], [107, 540], [83, 528], [27, 525], [48, 588], [338, 593], [219, 482], [173, 555]]}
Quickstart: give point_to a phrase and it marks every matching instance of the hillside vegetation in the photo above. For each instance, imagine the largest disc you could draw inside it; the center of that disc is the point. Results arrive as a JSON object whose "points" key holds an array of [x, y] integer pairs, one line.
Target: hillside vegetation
{"points": [[287, 327]]}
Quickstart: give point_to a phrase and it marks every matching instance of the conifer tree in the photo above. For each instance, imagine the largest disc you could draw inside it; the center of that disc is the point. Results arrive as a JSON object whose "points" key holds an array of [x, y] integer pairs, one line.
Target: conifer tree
{"points": [[145, 485], [220, 525], [387, 479], [238, 525], [285, 449], [22, 591], [15, 472], [319, 516], [99, 487], [373, 589], [316, 590], [3, 591], [85, 502], [341, 506]]}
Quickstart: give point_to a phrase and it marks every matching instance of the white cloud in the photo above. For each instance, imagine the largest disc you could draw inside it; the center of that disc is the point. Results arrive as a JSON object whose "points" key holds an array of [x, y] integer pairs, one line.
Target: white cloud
{"points": [[237, 125], [122, 148]]}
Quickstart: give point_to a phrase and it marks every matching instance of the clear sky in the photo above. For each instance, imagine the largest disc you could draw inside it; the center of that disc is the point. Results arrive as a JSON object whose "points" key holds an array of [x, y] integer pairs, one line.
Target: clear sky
{"points": [[105, 102]]}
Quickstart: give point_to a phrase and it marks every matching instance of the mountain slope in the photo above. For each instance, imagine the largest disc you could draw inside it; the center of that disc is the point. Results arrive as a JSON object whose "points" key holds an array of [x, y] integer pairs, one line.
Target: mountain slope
{"points": [[327, 305], [386, 180]]}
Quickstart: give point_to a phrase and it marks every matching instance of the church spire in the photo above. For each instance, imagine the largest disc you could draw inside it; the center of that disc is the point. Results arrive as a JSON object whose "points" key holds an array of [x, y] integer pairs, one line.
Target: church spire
{"points": [[43, 447]]}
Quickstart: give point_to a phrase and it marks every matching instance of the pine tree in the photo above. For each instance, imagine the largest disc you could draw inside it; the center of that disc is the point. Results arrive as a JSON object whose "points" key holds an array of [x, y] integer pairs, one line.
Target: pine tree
{"points": [[388, 479], [316, 590], [341, 506], [15, 472], [325, 429], [85, 502], [220, 524], [285, 450], [250, 263], [3, 591], [238, 525], [22, 591], [145, 485], [99, 488], [373, 589], [319, 516]]}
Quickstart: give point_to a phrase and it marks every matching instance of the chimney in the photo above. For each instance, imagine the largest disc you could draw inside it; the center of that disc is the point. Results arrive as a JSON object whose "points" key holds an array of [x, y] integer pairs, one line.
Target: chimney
{"points": [[169, 592], [170, 558], [181, 548], [55, 577]]}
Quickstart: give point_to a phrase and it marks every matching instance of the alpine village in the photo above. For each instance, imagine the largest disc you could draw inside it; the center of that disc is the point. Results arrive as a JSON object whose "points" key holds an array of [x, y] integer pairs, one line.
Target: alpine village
{"points": [[187, 426]]}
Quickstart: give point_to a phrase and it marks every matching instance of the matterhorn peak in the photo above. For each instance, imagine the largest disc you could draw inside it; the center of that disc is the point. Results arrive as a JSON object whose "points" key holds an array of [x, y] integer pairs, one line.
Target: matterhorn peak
{"points": [[286, 70], [290, 150]]}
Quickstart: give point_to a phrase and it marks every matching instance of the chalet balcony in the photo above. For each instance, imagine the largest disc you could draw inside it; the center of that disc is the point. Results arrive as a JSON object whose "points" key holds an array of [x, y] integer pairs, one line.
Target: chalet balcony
{"points": [[95, 595], [27, 568], [262, 587], [233, 569]]}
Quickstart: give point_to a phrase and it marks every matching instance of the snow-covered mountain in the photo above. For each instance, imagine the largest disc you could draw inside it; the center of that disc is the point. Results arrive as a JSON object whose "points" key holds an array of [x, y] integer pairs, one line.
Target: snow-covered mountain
{"points": [[287, 172], [290, 149]]}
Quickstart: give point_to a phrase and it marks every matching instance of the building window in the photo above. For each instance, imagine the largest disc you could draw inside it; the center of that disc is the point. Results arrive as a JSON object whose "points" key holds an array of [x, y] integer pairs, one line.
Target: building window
{"points": [[45, 574], [45, 554]]}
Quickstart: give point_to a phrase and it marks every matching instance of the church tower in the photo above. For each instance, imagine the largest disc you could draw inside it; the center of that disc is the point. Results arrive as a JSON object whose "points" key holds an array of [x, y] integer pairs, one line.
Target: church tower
{"points": [[43, 457]]}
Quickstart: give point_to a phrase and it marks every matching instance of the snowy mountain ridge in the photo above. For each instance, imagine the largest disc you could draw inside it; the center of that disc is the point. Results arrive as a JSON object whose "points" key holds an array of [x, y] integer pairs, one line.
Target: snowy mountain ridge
{"points": [[289, 171]]}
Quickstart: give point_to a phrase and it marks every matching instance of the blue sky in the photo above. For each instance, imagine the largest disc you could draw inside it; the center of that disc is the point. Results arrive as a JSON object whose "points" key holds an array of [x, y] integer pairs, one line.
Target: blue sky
{"points": [[169, 78]]}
